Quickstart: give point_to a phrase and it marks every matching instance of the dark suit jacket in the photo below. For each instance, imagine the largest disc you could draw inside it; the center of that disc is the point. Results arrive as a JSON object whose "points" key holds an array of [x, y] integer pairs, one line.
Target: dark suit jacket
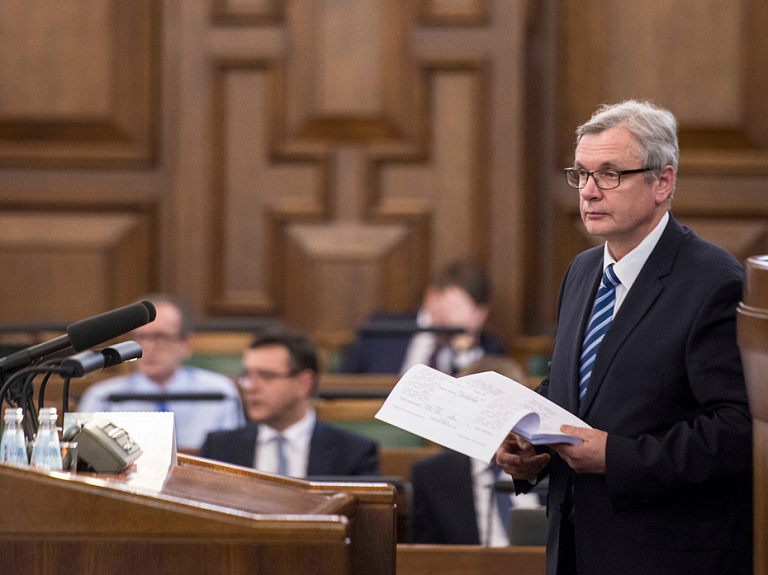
{"points": [[385, 354], [443, 502], [668, 388], [332, 451]]}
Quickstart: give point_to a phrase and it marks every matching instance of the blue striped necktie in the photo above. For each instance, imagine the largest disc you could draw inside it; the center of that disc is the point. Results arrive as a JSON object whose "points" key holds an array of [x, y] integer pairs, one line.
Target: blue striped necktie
{"points": [[599, 322]]}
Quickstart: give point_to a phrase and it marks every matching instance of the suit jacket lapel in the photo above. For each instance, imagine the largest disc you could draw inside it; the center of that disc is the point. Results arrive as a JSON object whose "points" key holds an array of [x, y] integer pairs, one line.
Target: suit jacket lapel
{"points": [[244, 446], [646, 289]]}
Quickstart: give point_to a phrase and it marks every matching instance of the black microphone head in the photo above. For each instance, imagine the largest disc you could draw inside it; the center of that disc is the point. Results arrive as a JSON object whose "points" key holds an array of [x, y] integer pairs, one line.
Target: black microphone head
{"points": [[103, 327], [150, 308], [83, 363], [120, 352]]}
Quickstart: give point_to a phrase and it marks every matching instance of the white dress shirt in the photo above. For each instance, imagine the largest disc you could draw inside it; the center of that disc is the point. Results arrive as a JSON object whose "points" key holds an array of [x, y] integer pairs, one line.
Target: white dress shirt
{"points": [[423, 344], [485, 504], [295, 448], [628, 268]]}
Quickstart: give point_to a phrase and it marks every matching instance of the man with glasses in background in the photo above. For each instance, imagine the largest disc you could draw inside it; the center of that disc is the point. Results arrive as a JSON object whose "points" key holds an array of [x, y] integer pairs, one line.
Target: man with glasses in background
{"points": [[645, 353], [280, 377], [165, 346]]}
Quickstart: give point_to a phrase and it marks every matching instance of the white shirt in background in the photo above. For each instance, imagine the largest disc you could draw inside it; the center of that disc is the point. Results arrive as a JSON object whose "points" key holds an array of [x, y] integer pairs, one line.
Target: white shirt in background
{"points": [[482, 489], [295, 448]]}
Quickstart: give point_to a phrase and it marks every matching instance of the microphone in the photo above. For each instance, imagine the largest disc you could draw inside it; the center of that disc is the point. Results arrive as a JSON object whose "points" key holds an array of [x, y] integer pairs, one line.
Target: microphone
{"points": [[82, 363], [92, 360], [150, 308], [120, 352], [103, 327], [85, 333]]}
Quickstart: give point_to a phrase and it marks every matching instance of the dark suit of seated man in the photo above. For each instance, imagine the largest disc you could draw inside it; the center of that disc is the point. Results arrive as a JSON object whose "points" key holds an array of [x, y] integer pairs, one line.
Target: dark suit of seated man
{"points": [[284, 436], [457, 297]]}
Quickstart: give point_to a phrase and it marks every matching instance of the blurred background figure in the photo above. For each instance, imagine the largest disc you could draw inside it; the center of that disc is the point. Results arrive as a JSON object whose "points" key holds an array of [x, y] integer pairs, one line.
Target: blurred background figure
{"points": [[454, 500], [283, 436], [457, 297], [165, 345]]}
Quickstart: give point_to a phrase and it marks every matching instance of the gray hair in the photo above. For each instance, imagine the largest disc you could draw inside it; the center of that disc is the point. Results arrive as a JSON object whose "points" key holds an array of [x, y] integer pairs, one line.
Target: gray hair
{"points": [[654, 129]]}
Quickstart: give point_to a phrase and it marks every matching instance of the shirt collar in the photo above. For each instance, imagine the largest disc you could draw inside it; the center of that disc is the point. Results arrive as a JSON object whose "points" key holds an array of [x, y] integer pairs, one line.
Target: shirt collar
{"points": [[423, 319], [628, 268], [298, 433]]}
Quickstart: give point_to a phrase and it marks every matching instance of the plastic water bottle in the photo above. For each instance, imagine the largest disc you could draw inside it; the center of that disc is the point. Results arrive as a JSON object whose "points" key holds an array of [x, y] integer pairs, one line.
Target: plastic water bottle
{"points": [[46, 452], [13, 447]]}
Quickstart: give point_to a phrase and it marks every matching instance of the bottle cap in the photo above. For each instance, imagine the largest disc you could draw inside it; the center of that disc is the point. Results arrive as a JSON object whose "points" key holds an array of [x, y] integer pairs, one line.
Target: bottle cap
{"points": [[48, 413], [14, 413]]}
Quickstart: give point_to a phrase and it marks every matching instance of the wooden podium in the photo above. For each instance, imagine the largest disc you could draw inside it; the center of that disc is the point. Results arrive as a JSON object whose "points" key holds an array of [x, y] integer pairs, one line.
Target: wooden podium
{"points": [[207, 518], [752, 326]]}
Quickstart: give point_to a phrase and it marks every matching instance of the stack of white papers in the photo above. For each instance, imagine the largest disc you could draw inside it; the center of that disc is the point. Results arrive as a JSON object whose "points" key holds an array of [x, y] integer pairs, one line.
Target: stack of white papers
{"points": [[474, 413]]}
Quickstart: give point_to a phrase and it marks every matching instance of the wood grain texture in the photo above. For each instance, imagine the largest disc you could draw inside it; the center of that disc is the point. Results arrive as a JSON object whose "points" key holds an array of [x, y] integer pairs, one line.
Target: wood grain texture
{"points": [[248, 137], [79, 83], [613, 51], [68, 266], [469, 560], [752, 333]]}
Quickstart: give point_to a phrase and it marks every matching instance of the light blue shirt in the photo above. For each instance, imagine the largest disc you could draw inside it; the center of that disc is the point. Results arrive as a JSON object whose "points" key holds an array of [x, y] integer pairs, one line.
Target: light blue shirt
{"points": [[193, 419]]}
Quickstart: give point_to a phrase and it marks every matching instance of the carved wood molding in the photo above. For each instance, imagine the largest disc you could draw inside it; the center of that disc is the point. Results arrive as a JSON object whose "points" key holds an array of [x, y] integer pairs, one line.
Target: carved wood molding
{"points": [[471, 13], [222, 12], [417, 151], [281, 151], [585, 82], [126, 136]]}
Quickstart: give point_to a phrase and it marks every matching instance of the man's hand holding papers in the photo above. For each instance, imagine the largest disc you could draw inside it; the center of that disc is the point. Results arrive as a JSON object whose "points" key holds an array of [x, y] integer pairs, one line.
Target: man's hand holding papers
{"points": [[473, 414]]}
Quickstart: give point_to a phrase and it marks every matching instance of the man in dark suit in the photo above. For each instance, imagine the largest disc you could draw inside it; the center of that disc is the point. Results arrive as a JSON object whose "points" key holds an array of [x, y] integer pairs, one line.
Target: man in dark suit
{"points": [[457, 297], [284, 436], [661, 483]]}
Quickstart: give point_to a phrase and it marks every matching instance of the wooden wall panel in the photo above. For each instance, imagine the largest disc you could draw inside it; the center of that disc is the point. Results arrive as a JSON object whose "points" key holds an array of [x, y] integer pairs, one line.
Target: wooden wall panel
{"points": [[701, 60], [446, 179], [315, 160], [247, 11], [78, 83], [455, 12], [349, 167], [64, 267], [257, 190]]}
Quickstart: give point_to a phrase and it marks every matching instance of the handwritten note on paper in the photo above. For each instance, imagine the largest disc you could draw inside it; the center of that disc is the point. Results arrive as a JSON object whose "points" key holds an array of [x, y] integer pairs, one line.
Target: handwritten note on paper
{"points": [[472, 414]]}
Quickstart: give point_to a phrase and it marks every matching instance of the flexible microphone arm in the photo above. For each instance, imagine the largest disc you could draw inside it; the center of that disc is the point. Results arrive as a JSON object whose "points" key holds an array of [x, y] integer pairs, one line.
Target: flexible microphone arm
{"points": [[87, 362]]}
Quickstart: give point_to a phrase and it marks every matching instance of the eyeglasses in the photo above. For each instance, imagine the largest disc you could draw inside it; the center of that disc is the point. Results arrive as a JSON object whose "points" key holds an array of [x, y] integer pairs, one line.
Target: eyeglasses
{"points": [[159, 337], [604, 179], [262, 375]]}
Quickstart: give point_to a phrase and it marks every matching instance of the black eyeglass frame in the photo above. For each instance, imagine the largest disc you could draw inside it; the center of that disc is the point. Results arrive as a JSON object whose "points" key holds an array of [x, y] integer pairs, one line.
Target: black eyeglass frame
{"points": [[620, 173]]}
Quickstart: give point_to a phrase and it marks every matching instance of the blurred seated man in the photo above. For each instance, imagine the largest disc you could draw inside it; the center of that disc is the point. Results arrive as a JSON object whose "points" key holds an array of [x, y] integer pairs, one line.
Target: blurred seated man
{"points": [[165, 345], [456, 298], [453, 498], [283, 436]]}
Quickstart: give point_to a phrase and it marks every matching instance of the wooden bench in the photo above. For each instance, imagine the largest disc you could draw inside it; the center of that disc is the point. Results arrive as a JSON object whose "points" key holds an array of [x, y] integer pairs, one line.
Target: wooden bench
{"points": [[469, 560]]}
